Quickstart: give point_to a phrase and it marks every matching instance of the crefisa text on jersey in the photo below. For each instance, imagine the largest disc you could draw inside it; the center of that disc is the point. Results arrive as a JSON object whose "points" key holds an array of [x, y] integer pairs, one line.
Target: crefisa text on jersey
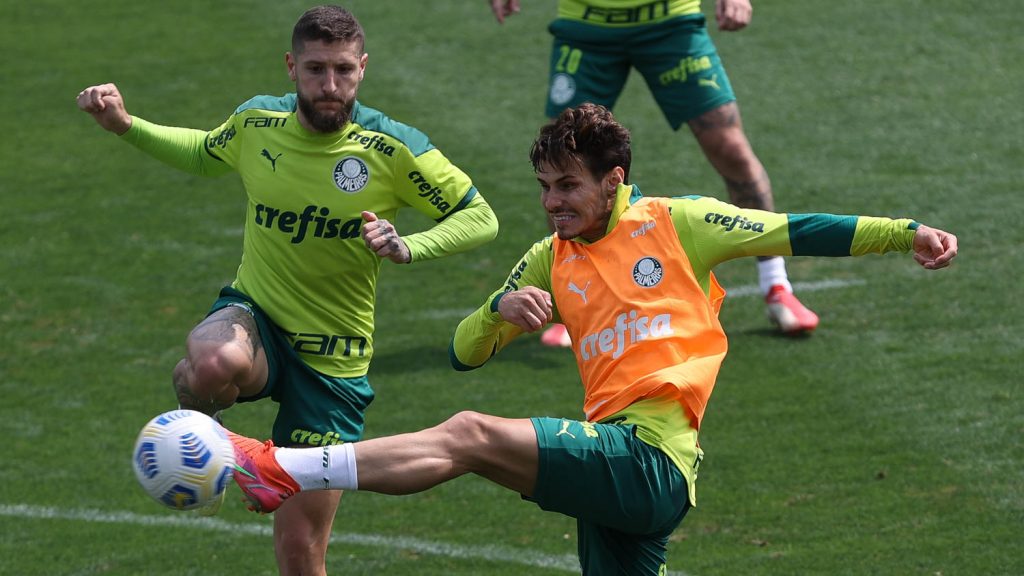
{"points": [[731, 222], [323, 227], [375, 142]]}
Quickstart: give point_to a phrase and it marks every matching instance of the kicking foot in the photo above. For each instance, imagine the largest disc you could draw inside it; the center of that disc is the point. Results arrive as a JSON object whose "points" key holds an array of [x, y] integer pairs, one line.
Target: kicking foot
{"points": [[786, 312], [263, 482]]}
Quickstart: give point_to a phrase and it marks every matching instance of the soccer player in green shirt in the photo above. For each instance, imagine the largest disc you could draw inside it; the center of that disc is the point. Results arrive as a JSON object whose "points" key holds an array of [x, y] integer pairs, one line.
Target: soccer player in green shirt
{"points": [[324, 176], [632, 280], [598, 42]]}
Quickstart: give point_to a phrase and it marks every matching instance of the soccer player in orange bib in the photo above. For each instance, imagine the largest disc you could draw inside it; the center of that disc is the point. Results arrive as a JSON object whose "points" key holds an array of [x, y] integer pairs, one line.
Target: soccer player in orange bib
{"points": [[631, 278]]}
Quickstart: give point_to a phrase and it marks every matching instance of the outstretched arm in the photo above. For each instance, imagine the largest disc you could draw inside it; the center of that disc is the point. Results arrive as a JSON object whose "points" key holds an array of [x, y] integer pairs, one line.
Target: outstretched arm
{"points": [[182, 148], [105, 104], [934, 248]]}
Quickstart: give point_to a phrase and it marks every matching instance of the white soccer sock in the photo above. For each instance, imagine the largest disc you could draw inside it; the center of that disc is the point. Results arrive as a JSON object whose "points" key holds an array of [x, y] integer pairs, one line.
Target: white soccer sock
{"points": [[329, 468], [771, 272]]}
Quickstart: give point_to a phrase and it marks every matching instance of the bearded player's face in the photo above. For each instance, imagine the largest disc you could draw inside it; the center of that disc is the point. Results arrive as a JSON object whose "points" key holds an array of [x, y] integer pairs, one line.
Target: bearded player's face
{"points": [[327, 77]]}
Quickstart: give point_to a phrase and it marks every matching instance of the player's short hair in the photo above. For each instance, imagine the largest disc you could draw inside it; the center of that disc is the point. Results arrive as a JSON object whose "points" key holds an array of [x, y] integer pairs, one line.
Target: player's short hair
{"points": [[588, 135], [329, 24]]}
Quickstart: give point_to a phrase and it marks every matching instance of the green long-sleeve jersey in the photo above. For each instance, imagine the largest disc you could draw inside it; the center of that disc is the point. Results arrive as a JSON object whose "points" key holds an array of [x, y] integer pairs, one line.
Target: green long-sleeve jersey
{"points": [[303, 260]]}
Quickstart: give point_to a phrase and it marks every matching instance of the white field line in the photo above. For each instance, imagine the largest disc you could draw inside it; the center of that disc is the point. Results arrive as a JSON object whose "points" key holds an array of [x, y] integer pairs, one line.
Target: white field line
{"points": [[742, 291], [748, 290], [491, 553]]}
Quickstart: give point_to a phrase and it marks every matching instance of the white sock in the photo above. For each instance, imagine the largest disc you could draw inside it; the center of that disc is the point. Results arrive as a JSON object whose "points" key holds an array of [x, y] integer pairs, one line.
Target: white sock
{"points": [[328, 468], [771, 272]]}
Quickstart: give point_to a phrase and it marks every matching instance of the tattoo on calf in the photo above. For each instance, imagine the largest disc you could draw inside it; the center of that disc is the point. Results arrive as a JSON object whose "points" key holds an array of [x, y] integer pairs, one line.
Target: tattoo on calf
{"points": [[722, 117], [755, 193]]}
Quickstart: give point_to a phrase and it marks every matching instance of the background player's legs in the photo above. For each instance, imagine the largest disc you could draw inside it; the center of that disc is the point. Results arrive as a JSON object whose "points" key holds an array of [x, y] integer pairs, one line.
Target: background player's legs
{"points": [[721, 137], [302, 531], [224, 359], [720, 134]]}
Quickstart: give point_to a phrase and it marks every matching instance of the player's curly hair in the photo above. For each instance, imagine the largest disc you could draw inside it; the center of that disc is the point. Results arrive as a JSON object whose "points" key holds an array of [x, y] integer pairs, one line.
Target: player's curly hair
{"points": [[328, 24], [587, 135]]}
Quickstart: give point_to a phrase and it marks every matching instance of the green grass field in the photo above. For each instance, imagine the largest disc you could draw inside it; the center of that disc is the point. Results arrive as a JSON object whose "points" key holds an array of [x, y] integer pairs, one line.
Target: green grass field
{"points": [[890, 442]]}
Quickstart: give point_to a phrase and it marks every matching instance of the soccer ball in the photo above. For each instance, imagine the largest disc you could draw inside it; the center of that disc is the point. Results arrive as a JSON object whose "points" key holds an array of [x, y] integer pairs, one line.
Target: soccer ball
{"points": [[183, 459]]}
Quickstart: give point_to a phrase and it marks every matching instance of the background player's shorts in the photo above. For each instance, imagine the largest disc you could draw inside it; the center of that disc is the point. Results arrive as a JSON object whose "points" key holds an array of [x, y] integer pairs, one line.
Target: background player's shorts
{"points": [[626, 495], [677, 59], [315, 409]]}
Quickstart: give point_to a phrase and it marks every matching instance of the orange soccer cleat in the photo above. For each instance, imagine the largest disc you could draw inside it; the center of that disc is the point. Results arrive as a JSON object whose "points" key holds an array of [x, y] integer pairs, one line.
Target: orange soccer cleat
{"points": [[786, 312], [557, 335], [263, 481]]}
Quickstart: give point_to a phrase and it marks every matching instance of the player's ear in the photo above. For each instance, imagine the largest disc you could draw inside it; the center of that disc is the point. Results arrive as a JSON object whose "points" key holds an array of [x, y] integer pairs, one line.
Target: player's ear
{"points": [[289, 61], [362, 65], [614, 177]]}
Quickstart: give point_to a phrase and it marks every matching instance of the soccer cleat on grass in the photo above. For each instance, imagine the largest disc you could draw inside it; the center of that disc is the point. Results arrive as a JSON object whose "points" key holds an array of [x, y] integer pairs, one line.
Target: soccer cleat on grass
{"points": [[263, 482], [556, 336], [786, 312]]}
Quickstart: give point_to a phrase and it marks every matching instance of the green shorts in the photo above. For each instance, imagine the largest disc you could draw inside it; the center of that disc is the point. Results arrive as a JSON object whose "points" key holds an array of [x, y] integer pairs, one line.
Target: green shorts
{"points": [[626, 495], [677, 59], [315, 409]]}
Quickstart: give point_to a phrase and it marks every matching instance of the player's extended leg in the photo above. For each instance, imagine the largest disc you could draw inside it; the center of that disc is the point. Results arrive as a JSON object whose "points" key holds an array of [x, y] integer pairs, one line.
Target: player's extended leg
{"points": [[500, 449], [720, 134], [224, 360], [302, 532]]}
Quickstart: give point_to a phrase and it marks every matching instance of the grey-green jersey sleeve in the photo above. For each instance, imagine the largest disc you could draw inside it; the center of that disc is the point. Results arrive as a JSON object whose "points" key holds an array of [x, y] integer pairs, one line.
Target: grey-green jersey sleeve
{"points": [[472, 225]]}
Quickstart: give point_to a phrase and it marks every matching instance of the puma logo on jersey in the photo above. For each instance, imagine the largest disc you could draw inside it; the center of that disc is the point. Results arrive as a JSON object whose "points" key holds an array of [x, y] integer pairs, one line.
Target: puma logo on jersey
{"points": [[273, 159], [629, 329], [581, 291], [709, 82], [588, 429]]}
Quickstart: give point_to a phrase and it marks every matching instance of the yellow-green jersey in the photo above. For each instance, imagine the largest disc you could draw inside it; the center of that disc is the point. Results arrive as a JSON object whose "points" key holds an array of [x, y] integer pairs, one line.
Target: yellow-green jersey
{"points": [[625, 12], [303, 261], [709, 232]]}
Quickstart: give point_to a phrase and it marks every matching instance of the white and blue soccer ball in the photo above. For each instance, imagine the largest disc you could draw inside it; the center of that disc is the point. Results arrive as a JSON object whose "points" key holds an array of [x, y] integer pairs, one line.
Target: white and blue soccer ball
{"points": [[183, 459]]}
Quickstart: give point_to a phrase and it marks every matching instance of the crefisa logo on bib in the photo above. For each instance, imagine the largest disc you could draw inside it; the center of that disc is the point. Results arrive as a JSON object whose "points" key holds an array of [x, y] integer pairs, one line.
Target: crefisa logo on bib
{"points": [[351, 175], [647, 272]]}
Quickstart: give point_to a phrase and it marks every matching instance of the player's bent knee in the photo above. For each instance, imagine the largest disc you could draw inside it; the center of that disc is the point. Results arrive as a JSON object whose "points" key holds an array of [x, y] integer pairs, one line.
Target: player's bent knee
{"points": [[477, 442], [466, 424], [208, 379], [468, 431]]}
